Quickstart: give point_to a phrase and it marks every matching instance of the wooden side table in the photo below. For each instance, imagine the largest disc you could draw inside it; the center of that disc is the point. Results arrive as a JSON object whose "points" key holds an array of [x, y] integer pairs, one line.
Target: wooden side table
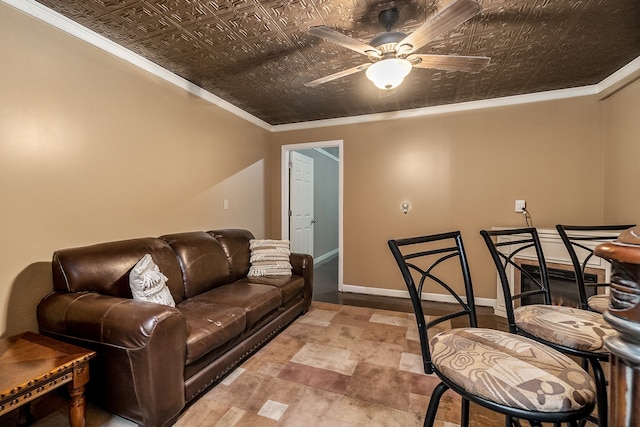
{"points": [[32, 365]]}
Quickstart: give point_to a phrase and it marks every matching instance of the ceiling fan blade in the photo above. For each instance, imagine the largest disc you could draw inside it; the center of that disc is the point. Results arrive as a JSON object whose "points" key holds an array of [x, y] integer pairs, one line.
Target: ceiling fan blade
{"points": [[454, 14], [450, 62], [337, 75], [330, 35]]}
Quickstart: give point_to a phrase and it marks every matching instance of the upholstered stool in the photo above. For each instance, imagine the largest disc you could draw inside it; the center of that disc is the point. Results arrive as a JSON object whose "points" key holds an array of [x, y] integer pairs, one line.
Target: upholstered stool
{"points": [[511, 370], [569, 327], [598, 303], [504, 372], [580, 242], [573, 331]]}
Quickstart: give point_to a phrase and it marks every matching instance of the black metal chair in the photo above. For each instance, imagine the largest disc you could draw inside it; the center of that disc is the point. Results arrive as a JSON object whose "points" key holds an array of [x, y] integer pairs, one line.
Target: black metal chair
{"points": [[570, 330], [580, 240], [507, 373]]}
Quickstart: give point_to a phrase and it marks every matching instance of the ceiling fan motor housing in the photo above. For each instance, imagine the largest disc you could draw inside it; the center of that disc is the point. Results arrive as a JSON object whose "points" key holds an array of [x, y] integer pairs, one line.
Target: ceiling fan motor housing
{"points": [[386, 43], [389, 17]]}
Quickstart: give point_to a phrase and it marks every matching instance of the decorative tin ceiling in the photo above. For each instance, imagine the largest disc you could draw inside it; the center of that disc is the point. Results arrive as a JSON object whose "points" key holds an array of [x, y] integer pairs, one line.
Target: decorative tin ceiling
{"points": [[257, 55]]}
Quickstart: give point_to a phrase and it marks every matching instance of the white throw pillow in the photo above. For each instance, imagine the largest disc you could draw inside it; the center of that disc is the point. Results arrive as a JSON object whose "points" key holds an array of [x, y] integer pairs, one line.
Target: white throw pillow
{"points": [[149, 284], [269, 258]]}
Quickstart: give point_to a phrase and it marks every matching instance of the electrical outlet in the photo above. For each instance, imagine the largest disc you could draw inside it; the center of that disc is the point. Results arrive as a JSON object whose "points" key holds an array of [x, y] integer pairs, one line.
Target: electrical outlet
{"points": [[520, 206]]}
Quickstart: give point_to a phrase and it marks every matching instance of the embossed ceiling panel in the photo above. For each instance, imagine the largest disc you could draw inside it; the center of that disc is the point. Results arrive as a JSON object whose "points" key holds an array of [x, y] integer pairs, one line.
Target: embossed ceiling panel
{"points": [[257, 54]]}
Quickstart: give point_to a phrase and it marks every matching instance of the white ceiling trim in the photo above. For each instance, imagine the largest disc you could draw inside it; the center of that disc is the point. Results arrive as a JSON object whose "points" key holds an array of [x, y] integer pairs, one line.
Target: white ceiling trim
{"points": [[63, 23], [445, 109], [606, 87], [620, 78]]}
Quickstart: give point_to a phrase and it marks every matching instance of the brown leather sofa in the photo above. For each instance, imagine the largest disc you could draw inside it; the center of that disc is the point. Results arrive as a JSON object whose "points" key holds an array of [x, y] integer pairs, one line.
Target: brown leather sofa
{"points": [[153, 359]]}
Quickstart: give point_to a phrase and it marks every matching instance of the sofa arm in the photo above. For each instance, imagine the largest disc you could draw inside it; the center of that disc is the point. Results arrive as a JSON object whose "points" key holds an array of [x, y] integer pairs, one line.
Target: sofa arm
{"points": [[138, 372], [303, 266]]}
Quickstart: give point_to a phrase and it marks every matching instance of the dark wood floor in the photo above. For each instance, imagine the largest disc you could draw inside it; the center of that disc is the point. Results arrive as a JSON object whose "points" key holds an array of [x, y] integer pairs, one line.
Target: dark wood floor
{"points": [[325, 289]]}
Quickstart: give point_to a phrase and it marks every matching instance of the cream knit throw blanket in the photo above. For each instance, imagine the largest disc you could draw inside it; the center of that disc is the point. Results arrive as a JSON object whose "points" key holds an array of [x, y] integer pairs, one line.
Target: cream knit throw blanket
{"points": [[269, 258]]}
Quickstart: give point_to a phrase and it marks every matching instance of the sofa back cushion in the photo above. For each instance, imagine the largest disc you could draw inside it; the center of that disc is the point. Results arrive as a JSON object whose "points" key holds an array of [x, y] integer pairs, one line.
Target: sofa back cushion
{"points": [[104, 268], [235, 243], [203, 261]]}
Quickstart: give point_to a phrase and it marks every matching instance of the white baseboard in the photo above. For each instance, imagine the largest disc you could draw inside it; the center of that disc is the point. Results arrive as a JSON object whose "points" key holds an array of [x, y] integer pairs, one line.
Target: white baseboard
{"points": [[485, 302], [324, 257]]}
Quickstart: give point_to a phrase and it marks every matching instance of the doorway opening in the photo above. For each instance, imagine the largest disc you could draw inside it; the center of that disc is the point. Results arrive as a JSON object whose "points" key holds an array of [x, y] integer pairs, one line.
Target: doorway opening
{"points": [[323, 224]]}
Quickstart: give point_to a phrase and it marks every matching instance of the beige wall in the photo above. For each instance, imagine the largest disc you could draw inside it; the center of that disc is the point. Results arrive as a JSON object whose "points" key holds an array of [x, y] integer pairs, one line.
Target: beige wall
{"points": [[621, 113], [94, 149], [461, 171]]}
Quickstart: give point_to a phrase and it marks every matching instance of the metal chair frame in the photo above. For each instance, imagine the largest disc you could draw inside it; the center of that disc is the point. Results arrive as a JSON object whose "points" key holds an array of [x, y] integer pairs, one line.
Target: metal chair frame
{"points": [[527, 238], [449, 247], [573, 237]]}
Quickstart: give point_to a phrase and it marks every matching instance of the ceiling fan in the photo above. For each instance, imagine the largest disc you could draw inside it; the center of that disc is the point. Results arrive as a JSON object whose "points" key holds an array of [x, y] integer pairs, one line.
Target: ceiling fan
{"points": [[392, 54]]}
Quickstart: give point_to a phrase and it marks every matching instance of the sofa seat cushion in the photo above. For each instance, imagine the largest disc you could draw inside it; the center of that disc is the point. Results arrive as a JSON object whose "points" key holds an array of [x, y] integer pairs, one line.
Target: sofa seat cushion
{"points": [[291, 286], [209, 325], [257, 300]]}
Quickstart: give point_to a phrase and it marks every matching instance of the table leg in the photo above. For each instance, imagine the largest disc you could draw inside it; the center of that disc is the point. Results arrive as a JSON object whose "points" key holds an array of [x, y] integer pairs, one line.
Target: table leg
{"points": [[77, 407]]}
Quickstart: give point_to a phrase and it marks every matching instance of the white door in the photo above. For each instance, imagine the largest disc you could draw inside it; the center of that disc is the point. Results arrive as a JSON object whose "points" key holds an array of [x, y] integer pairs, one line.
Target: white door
{"points": [[301, 203]]}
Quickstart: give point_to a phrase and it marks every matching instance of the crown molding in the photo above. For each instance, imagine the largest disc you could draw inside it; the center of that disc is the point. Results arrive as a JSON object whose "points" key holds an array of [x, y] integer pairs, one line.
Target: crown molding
{"points": [[619, 79], [445, 109], [605, 88], [65, 24]]}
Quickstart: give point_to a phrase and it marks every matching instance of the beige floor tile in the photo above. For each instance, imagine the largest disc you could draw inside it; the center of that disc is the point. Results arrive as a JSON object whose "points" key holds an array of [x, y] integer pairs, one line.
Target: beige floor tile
{"points": [[382, 354], [273, 410], [381, 333], [388, 319], [316, 408], [360, 413], [381, 385], [411, 363], [315, 377], [318, 317], [325, 357]]}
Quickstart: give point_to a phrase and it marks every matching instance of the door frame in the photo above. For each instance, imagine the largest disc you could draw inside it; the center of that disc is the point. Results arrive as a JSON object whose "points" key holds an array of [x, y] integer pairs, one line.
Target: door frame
{"points": [[284, 193]]}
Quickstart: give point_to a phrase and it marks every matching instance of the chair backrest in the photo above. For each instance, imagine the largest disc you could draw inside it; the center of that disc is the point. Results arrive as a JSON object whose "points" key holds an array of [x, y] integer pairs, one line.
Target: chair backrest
{"points": [[430, 260], [509, 249], [580, 241]]}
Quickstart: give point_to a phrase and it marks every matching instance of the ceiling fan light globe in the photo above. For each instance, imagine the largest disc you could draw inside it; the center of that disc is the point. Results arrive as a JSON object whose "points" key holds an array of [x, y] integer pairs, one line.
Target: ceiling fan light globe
{"points": [[389, 73]]}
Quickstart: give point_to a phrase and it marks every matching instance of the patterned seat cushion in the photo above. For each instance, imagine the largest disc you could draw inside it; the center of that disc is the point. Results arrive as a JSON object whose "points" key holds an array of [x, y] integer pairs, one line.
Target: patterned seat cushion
{"points": [[567, 326], [511, 370], [599, 303]]}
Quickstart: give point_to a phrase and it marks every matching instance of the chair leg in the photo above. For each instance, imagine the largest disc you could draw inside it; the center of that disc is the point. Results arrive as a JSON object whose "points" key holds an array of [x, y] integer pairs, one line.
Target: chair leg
{"points": [[464, 414], [601, 392], [512, 422], [434, 402]]}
